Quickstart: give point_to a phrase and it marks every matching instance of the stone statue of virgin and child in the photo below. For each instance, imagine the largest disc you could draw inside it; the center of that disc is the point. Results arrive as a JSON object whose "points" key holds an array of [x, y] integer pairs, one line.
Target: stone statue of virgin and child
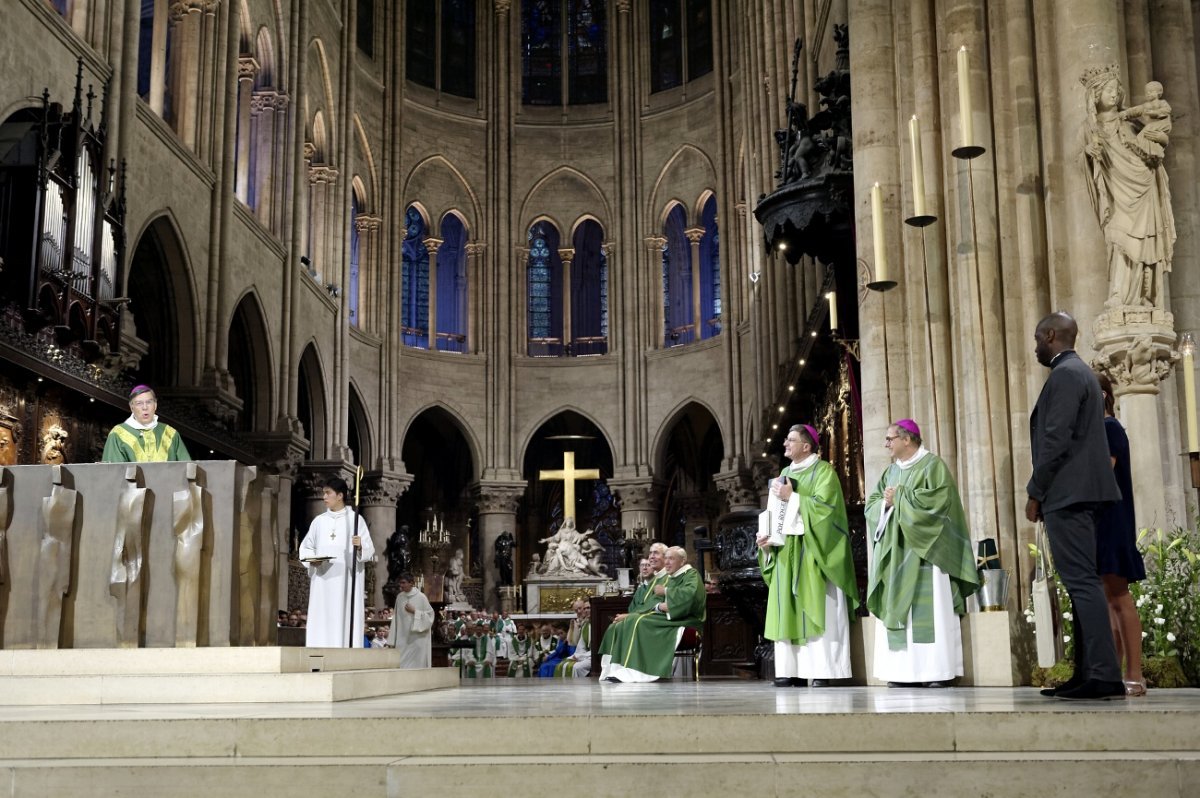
{"points": [[1123, 151]]}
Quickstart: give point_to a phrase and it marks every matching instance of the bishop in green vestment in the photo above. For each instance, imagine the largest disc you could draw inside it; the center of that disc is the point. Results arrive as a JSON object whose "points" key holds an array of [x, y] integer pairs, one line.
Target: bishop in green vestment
{"points": [[142, 438], [922, 564], [643, 645], [808, 567], [652, 580]]}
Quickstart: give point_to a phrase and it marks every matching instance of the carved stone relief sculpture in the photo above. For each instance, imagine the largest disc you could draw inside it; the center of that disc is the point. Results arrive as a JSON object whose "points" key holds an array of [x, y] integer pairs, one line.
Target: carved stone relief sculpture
{"points": [[248, 575], [54, 558], [8, 445], [54, 445], [187, 513], [124, 582]]}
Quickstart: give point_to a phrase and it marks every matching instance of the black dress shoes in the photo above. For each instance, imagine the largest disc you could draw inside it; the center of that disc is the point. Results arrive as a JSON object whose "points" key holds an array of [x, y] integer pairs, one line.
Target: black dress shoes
{"points": [[1093, 690], [946, 683], [796, 681], [820, 682], [1069, 684], [783, 681]]}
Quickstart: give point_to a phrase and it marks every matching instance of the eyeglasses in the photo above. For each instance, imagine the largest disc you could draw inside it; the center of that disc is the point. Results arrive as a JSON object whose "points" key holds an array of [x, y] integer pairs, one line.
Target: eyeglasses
{"points": [[890, 438], [145, 403]]}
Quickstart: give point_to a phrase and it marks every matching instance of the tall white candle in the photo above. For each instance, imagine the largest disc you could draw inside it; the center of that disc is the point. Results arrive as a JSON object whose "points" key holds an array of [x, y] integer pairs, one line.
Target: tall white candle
{"points": [[881, 268], [1189, 392], [918, 167], [833, 319], [964, 97]]}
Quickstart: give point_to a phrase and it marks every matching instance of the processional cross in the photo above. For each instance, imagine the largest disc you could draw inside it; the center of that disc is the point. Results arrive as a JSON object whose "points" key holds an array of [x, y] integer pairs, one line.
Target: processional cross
{"points": [[569, 474]]}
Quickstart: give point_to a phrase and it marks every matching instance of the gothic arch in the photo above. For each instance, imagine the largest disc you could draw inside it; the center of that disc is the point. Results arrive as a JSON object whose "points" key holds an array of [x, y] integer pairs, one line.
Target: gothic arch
{"points": [[264, 54], [687, 173], [161, 286], [528, 437], [698, 209], [670, 206], [321, 64], [565, 181], [359, 435], [312, 402], [460, 423], [320, 139], [250, 363], [424, 182], [367, 160], [461, 217], [688, 406], [587, 217]]}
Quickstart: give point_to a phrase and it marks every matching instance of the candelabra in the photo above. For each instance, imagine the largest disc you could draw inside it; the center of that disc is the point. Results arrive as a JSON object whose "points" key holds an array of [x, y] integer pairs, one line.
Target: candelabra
{"points": [[634, 540], [432, 539]]}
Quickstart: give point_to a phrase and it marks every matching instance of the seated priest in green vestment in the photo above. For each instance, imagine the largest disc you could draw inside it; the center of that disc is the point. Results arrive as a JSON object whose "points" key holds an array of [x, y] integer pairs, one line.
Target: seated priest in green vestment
{"points": [[805, 558], [642, 646], [142, 438], [922, 565], [578, 663]]}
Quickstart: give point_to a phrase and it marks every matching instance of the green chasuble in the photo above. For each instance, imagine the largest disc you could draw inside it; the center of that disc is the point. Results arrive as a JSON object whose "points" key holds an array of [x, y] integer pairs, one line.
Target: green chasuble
{"points": [[128, 444], [927, 527], [797, 571], [566, 668], [643, 599], [646, 641]]}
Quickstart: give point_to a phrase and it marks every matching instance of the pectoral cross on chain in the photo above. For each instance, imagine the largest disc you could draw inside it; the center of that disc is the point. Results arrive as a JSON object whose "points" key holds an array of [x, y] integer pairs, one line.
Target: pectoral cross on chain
{"points": [[333, 535]]}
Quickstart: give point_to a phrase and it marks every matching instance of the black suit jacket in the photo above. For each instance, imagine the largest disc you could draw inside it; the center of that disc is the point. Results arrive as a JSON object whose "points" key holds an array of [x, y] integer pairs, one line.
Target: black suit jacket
{"points": [[1066, 431]]}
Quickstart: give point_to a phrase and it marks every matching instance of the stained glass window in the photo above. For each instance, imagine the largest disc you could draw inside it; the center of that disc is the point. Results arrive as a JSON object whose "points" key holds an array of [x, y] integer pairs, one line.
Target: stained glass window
{"points": [[544, 279], [352, 289], [666, 45], [589, 300], [458, 47], [699, 38], [677, 280], [414, 280], [680, 42], [452, 286], [420, 44], [587, 52], [541, 49], [365, 31], [710, 272]]}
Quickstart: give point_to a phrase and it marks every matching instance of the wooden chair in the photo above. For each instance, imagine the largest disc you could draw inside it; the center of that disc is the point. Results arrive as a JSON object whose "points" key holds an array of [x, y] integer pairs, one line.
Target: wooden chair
{"points": [[691, 645]]}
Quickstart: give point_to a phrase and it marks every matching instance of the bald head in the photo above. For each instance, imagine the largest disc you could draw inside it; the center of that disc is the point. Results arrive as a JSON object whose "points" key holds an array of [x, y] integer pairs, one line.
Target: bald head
{"points": [[1055, 334]]}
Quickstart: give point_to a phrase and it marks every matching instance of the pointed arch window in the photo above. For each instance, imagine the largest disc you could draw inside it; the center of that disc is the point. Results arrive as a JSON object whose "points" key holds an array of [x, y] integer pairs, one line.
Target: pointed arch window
{"points": [[544, 277], [589, 292], [440, 45], [414, 278], [680, 42], [564, 51], [452, 286], [710, 272], [352, 296], [679, 325]]}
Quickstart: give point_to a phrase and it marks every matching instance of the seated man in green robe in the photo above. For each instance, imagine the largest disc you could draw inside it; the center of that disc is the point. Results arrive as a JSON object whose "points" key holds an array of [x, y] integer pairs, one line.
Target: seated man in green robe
{"points": [[922, 565], [142, 438], [642, 648]]}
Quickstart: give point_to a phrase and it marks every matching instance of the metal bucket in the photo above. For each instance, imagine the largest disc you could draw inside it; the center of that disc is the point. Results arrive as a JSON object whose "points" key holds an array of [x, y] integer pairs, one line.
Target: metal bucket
{"points": [[993, 593]]}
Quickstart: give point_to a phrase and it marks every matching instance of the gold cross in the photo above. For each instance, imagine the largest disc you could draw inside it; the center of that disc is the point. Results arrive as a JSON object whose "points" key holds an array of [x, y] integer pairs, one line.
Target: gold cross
{"points": [[569, 474]]}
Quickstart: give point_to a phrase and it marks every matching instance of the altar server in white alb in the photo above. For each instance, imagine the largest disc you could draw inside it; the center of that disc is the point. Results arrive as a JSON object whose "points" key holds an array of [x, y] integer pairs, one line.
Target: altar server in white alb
{"points": [[334, 535], [412, 625]]}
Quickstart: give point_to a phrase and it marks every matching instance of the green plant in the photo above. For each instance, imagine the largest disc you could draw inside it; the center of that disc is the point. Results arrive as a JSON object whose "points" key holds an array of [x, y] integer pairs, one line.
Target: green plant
{"points": [[1167, 600]]}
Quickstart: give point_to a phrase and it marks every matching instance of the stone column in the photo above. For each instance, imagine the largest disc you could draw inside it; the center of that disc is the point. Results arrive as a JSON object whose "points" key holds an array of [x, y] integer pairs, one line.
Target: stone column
{"points": [[640, 502], [739, 490], [694, 508], [497, 502], [380, 493], [370, 289], [567, 256], [247, 70], [654, 245], [694, 234], [475, 252], [431, 246]]}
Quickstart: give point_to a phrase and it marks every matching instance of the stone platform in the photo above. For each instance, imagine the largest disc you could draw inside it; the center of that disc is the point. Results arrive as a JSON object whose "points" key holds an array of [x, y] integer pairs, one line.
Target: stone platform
{"points": [[267, 674], [711, 738]]}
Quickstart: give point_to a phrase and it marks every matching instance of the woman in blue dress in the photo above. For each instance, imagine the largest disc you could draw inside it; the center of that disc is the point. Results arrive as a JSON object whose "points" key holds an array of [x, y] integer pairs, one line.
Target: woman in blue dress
{"points": [[1117, 557]]}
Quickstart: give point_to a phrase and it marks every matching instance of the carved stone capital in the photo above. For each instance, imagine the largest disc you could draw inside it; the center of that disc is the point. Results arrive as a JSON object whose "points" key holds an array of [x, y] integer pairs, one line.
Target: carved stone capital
{"points": [[763, 470], [383, 490], [738, 488], [267, 100], [493, 497], [1133, 350], [695, 234], [310, 150], [247, 68], [432, 244], [655, 242], [319, 173], [366, 223], [313, 475], [284, 449], [503, 7], [623, 6], [637, 495], [566, 255], [475, 249]]}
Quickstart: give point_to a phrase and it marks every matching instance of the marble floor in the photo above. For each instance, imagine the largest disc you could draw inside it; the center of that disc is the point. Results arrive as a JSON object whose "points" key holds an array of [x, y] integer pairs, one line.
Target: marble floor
{"points": [[588, 698]]}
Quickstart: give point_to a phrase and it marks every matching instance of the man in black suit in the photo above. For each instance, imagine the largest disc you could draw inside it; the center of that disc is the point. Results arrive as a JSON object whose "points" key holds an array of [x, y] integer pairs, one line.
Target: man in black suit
{"points": [[1072, 478]]}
